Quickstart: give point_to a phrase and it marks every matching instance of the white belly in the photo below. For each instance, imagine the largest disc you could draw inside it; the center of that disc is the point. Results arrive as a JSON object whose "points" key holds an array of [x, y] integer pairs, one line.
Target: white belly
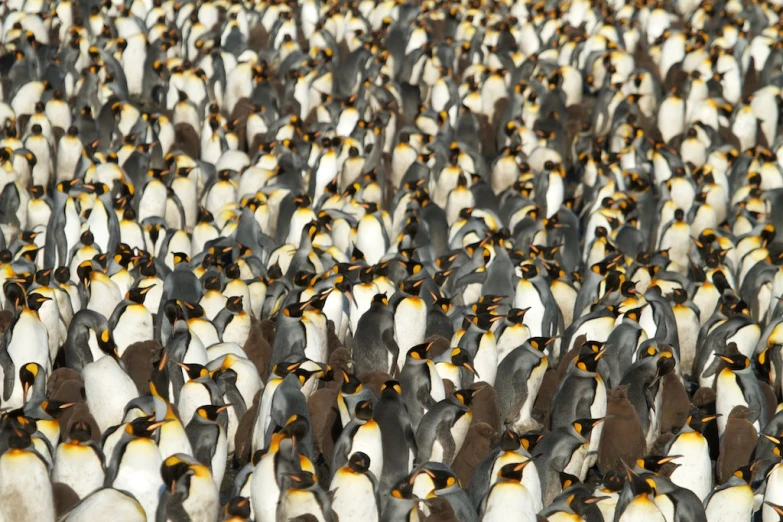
{"points": [[132, 329], [108, 390], [731, 504], [354, 503], [368, 440], [79, 468], [139, 474], [25, 490], [695, 468]]}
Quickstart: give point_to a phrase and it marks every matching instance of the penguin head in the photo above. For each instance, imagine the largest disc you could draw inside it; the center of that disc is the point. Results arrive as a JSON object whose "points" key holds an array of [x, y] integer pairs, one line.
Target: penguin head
{"points": [[192, 310], [174, 470], [55, 408], [106, 343], [589, 355], [301, 480], [172, 309], [698, 420], [654, 463], [567, 480], [359, 462], [35, 301], [138, 294], [391, 388], [465, 396], [19, 439], [363, 410], [211, 412], [420, 352], [403, 489], [62, 275], [144, 427], [234, 304], [28, 374], [14, 293], [351, 384], [540, 343], [509, 440], [528, 270], [80, 431], [778, 442], [735, 362], [237, 507], [513, 471], [194, 371], [460, 357], [43, 277], [180, 257], [584, 426]]}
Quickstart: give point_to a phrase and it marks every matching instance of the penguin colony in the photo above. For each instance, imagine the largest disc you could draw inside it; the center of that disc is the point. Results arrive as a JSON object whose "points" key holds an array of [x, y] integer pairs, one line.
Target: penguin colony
{"points": [[389, 260]]}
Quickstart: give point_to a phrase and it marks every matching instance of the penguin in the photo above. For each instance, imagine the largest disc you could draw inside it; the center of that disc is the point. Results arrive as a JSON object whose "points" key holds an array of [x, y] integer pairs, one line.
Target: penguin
{"points": [[393, 419], [108, 388], [410, 321], [641, 503], [422, 387], [355, 490], [107, 502], [737, 385], [25, 489], [738, 443], [19, 349], [135, 465], [518, 381], [189, 489], [131, 321], [645, 388], [511, 449], [352, 391], [732, 500], [563, 450], [508, 494], [303, 496], [79, 461], [691, 453], [361, 434], [443, 428], [582, 394], [374, 339]]}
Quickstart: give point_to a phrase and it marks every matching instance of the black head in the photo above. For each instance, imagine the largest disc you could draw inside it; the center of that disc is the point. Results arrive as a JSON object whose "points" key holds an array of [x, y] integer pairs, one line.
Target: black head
{"points": [[359, 462]]}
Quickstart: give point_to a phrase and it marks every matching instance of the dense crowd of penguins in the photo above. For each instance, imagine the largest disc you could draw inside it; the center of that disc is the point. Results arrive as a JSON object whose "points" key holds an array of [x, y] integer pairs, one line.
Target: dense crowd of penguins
{"points": [[395, 260]]}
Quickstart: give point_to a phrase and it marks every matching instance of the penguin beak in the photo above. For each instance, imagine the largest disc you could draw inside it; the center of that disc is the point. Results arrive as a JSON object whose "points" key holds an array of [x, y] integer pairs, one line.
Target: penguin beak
{"points": [[595, 500], [156, 425], [470, 368]]}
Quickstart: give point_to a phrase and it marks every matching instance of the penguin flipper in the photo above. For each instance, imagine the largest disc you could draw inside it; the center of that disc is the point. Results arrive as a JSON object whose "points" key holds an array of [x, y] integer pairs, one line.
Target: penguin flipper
{"points": [[394, 350], [447, 442], [9, 371], [424, 397], [204, 446], [171, 510]]}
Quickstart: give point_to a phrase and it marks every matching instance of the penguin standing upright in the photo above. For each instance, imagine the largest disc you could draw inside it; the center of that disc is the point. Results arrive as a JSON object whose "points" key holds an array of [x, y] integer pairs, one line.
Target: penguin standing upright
{"points": [[25, 489], [518, 382], [355, 490], [509, 495], [361, 434], [443, 428], [692, 456], [737, 385], [79, 461], [135, 464]]}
